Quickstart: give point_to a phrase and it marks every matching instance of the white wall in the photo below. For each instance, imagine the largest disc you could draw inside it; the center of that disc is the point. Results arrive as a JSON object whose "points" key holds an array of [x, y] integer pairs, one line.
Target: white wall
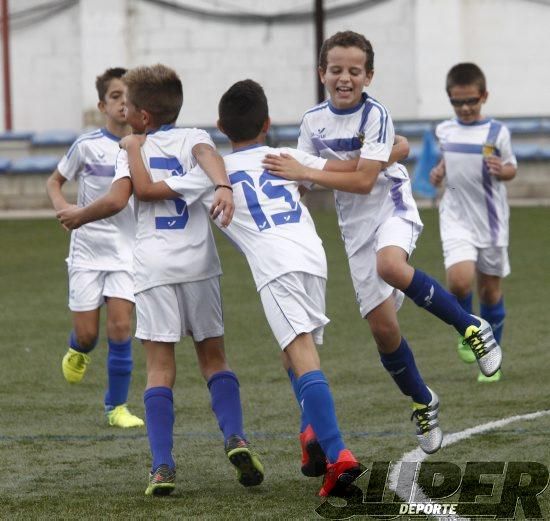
{"points": [[55, 61]]}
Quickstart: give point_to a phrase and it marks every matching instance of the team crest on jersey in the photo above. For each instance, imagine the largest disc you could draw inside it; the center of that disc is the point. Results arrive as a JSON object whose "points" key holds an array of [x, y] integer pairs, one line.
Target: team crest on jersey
{"points": [[320, 133]]}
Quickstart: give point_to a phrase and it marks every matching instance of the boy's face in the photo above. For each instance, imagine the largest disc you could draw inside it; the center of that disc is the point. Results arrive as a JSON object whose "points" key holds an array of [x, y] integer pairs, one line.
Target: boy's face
{"points": [[135, 118], [467, 101], [345, 76], [114, 103]]}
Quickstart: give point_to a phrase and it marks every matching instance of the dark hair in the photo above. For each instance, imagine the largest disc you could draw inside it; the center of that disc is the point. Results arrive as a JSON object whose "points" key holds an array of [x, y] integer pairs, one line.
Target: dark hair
{"points": [[243, 110], [466, 74], [102, 82], [156, 89], [347, 39]]}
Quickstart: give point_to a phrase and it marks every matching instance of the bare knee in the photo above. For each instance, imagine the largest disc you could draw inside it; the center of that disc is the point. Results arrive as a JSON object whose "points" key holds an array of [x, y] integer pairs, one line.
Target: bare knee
{"points": [[211, 356], [387, 336], [118, 329], [86, 338]]}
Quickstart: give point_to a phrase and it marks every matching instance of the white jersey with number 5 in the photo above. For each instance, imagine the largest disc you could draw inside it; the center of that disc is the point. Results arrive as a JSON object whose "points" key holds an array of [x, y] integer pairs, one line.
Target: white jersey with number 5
{"points": [[174, 242], [474, 205], [271, 226], [104, 245], [364, 131]]}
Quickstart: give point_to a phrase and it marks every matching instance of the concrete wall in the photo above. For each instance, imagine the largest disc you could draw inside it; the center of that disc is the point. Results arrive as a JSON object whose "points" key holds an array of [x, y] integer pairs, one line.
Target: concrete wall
{"points": [[55, 60]]}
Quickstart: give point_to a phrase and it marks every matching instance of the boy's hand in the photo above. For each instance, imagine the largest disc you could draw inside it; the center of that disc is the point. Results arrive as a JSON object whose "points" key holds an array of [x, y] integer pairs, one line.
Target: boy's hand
{"points": [[69, 217], [223, 204], [136, 140], [437, 174], [285, 166], [494, 165]]}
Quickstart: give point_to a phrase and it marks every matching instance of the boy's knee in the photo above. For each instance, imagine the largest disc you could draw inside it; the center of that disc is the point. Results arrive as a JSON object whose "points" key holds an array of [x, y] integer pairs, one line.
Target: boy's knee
{"points": [[461, 288], [390, 271], [118, 330]]}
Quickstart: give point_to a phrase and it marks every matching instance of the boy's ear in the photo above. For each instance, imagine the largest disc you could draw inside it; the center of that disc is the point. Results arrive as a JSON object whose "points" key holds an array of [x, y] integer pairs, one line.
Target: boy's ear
{"points": [[219, 126], [484, 96], [368, 78], [101, 106], [321, 75], [266, 125]]}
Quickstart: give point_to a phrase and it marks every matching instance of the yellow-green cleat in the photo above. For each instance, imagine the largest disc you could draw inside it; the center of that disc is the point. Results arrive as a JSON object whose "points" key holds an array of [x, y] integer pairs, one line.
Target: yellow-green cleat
{"points": [[161, 482], [120, 416], [465, 353], [250, 471], [488, 379], [74, 365]]}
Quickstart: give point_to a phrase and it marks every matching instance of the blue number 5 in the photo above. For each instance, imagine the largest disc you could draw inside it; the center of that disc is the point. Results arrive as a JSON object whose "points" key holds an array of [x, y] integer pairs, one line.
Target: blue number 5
{"points": [[178, 221]]}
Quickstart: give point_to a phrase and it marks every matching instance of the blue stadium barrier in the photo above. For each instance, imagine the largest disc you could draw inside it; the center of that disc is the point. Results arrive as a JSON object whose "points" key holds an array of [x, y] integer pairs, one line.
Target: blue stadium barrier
{"points": [[413, 128], [428, 158], [4, 165], [54, 138], [16, 135], [34, 165]]}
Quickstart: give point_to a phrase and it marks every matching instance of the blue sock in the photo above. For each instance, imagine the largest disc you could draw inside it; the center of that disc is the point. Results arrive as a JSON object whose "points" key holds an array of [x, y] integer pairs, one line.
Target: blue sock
{"points": [[119, 370], [427, 293], [303, 419], [226, 403], [402, 368], [466, 303], [319, 408], [495, 315], [74, 344], [159, 417]]}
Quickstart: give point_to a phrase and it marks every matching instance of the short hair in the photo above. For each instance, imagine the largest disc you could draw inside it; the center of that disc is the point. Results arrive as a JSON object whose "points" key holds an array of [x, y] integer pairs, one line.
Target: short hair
{"points": [[347, 39], [466, 74], [243, 110], [102, 81], [156, 89]]}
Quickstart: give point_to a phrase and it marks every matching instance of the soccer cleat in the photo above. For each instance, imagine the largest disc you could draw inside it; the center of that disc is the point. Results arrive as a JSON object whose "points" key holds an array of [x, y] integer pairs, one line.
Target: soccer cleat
{"points": [[464, 352], [484, 346], [488, 379], [339, 478], [250, 471], [428, 433], [161, 482], [120, 416], [74, 365], [314, 461]]}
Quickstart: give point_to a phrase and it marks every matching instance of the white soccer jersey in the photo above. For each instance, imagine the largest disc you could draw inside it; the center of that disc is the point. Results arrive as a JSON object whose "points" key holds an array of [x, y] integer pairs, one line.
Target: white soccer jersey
{"points": [[104, 245], [270, 225], [174, 242], [365, 131], [474, 202]]}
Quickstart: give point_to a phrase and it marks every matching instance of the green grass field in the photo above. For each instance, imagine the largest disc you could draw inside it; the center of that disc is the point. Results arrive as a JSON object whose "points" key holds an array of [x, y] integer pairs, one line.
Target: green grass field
{"points": [[61, 461]]}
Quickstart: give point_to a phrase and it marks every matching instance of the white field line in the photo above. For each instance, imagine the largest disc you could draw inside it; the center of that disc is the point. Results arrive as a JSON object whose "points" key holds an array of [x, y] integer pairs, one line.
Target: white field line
{"points": [[418, 455]]}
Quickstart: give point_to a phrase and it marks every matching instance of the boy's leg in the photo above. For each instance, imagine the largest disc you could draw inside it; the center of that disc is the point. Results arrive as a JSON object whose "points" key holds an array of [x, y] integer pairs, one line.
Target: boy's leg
{"points": [[398, 360], [119, 363], [318, 405], [492, 310], [460, 279], [159, 413], [82, 340]]}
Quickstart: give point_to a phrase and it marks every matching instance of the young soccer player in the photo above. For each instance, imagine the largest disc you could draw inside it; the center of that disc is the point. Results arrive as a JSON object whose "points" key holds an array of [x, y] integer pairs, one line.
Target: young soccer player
{"points": [[100, 255], [474, 213], [286, 257], [379, 221], [177, 273]]}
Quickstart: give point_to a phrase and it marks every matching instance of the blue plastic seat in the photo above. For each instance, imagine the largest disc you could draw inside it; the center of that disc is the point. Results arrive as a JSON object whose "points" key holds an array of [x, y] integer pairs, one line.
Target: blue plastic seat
{"points": [[53, 138], [4, 165], [34, 165], [412, 128], [527, 152], [16, 135]]}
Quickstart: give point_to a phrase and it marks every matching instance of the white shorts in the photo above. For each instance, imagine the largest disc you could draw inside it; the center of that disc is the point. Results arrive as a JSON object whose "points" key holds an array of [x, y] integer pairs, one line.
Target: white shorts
{"points": [[370, 289], [490, 261], [168, 313], [88, 289], [294, 304]]}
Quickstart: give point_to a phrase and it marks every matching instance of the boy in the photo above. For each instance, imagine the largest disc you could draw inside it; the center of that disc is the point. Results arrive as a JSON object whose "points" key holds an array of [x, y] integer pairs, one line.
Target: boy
{"points": [[277, 235], [100, 255], [177, 273], [379, 229], [474, 213]]}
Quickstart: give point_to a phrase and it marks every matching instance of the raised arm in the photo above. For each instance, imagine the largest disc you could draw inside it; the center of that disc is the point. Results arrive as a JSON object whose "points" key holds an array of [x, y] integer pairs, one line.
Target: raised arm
{"points": [[110, 204], [212, 163]]}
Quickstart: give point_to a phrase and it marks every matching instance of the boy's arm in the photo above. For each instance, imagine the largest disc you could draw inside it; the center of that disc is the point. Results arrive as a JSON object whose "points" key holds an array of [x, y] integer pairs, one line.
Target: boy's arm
{"points": [[438, 173], [212, 164], [360, 180], [497, 169], [110, 204], [55, 193]]}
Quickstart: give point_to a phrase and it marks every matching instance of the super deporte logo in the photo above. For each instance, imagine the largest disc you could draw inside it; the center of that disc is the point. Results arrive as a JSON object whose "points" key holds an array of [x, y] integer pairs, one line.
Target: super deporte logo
{"points": [[481, 489]]}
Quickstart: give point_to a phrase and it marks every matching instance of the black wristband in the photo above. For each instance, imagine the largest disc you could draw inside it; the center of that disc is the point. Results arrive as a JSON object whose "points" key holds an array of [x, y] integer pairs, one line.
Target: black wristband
{"points": [[229, 187]]}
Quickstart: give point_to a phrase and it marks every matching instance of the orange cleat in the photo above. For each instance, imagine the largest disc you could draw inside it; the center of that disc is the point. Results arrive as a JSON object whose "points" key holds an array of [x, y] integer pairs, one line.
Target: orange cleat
{"points": [[340, 476], [314, 461]]}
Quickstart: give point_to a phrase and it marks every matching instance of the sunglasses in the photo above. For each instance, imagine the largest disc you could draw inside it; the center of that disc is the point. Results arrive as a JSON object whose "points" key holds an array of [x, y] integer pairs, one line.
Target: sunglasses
{"points": [[470, 102]]}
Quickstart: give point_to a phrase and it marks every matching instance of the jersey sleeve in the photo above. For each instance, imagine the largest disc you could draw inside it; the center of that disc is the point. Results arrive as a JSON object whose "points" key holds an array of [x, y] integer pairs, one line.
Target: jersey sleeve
{"points": [[504, 144], [304, 139], [197, 136], [122, 166], [379, 135], [194, 185], [72, 162]]}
